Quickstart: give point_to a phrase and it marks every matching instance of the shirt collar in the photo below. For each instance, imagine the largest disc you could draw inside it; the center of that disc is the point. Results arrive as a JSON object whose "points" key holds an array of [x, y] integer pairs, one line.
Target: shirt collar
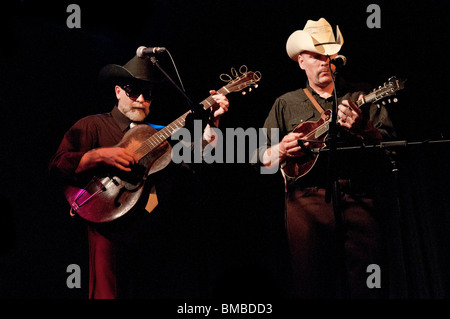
{"points": [[315, 94], [122, 121]]}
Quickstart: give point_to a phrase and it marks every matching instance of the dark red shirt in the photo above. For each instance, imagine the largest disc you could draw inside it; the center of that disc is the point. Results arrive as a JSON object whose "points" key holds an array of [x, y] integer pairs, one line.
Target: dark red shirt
{"points": [[93, 131]]}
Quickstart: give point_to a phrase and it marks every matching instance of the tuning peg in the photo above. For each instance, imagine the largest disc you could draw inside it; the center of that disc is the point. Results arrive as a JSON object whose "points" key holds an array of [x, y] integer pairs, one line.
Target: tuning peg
{"points": [[395, 100], [243, 92], [255, 86], [249, 90]]}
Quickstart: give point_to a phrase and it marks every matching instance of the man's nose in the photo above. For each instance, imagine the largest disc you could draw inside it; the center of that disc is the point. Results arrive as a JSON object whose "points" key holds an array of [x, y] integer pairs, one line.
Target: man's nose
{"points": [[140, 98]]}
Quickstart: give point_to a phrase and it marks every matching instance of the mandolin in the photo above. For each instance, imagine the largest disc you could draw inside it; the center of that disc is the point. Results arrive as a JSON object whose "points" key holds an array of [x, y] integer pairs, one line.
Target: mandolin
{"points": [[112, 194], [316, 132]]}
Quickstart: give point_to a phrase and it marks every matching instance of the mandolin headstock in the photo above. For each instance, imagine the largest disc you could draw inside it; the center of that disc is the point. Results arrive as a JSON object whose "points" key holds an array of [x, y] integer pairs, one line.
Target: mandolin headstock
{"points": [[238, 81], [384, 92]]}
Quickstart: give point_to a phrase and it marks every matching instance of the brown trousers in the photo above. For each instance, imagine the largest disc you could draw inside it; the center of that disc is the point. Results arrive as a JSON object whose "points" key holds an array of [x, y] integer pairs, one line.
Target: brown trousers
{"points": [[315, 248]]}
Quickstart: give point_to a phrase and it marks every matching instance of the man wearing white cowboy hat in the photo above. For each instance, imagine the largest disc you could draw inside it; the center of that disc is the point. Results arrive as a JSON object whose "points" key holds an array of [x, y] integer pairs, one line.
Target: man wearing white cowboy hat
{"points": [[309, 217], [122, 249], [315, 42]]}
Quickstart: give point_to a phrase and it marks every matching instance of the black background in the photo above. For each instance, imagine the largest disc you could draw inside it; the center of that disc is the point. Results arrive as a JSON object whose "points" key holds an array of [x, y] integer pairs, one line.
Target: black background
{"points": [[48, 81]]}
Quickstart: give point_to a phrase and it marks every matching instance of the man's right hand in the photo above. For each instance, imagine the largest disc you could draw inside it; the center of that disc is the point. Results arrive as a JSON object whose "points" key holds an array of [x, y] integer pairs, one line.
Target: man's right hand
{"points": [[289, 146], [118, 157]]}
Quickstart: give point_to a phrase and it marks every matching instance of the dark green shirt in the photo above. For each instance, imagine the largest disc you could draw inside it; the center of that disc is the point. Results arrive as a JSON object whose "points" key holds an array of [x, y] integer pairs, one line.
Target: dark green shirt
{"points": [[294, 108]]}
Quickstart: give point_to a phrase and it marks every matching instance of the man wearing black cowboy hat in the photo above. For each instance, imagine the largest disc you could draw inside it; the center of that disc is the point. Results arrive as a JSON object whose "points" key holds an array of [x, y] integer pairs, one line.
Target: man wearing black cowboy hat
{"points": [[90, 144]]}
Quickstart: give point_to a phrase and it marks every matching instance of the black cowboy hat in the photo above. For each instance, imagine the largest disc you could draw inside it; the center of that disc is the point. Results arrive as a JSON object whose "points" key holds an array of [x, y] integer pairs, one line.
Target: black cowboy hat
{"points": [[138, 71]]}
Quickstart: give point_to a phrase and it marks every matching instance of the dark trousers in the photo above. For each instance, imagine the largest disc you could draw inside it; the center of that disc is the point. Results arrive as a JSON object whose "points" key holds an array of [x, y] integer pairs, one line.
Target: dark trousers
{"points": [[102, 266], [149, 256], [316, 248]]}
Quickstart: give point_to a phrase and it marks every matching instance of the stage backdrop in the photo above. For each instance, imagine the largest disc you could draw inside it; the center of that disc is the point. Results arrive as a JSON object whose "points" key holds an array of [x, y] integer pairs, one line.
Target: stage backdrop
{"points": [[48, 81]]}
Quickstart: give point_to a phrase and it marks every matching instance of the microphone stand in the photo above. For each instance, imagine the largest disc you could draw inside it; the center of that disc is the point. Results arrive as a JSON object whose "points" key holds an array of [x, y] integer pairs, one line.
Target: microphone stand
{"points": [[156, 63], [196, 109], [332, 192]]}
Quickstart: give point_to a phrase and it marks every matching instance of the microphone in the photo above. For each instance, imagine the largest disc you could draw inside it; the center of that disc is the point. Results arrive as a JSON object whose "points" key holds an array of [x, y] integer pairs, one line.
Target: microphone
{"points": [[339, 61], [145, 51]]}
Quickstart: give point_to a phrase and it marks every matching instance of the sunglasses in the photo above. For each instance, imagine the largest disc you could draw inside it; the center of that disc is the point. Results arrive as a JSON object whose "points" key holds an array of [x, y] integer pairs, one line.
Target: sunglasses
{"points": [[134, 92]]}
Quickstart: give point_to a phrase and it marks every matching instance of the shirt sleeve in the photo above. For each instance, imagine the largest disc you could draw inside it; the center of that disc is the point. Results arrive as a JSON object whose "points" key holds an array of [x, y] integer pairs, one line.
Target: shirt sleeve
{"points": [[379, 116], [79, 139], [274, 120]]}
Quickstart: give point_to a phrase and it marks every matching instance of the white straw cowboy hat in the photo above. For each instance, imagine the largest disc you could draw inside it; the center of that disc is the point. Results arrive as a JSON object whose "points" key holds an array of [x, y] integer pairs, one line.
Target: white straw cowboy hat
{"points": [[316, 36]]}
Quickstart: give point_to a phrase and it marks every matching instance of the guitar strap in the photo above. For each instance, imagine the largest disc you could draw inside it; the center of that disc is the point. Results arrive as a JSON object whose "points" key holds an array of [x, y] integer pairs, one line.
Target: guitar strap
{"points": [[315, 103]]}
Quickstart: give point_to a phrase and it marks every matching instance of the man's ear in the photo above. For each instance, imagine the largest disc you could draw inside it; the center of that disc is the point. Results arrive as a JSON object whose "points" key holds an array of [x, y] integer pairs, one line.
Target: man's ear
{"points": [[117, 90], [301, 61]]}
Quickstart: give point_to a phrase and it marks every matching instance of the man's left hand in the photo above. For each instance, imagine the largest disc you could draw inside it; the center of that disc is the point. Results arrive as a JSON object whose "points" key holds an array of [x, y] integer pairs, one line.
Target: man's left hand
{"points": [[350, 116], [218, 109]]}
